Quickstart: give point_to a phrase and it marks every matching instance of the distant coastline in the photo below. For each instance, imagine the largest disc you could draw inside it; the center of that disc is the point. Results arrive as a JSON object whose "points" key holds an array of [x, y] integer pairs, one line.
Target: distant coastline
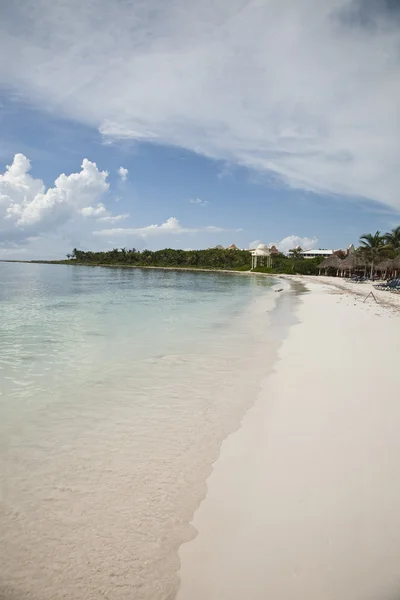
{"points": [[211, 260]]}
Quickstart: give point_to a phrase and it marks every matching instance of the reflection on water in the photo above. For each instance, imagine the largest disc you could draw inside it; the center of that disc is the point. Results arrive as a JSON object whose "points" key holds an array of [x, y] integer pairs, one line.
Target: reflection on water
{"points": [[117, 388]]}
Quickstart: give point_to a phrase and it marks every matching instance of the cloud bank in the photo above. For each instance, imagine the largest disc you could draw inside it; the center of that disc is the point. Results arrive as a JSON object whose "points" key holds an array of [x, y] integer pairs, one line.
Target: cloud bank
{"points": [[308, 91], [28, 209]]}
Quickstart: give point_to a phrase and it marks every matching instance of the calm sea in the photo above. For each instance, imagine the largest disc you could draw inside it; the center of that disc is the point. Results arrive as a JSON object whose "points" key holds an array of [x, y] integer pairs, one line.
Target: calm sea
{"points": [[117, 388]]}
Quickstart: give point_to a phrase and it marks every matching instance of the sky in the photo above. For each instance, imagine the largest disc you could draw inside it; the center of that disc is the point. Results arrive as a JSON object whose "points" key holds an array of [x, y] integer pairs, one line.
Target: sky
{"points": [[186, 124]]}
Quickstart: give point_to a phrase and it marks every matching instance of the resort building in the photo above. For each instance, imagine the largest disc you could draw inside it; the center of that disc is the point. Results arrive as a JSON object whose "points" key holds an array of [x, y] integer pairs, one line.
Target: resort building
{"points": [[313, 253], [317, 253], [323, 253]]}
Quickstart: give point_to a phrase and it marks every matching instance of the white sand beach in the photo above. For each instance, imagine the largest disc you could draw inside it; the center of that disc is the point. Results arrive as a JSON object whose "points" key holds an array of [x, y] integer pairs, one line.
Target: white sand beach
{"points": [[303, 501], [347, 287]]}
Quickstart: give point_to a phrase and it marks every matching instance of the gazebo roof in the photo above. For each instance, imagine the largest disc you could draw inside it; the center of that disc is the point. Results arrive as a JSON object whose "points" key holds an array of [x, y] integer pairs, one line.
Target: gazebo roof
{"points": [[260, 252]]}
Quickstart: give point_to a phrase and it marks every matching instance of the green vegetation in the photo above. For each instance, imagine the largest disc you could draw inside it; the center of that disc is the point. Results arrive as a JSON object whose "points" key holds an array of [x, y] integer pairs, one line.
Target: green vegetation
{"points": [[376, 246], [214, 258], [392, 240], [292, 265], [372, 247]]}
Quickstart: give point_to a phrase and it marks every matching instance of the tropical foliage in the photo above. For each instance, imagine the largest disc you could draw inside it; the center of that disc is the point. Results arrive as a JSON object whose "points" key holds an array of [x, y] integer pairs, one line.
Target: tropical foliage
{"points": [[377, 246], [290, 265], [213, 258], [372, 248], [392, 240], [296, 253]]}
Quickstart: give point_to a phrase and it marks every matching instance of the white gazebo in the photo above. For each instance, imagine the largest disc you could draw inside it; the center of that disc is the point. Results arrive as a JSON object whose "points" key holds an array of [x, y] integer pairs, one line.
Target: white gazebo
{"points": [[261, 256]]}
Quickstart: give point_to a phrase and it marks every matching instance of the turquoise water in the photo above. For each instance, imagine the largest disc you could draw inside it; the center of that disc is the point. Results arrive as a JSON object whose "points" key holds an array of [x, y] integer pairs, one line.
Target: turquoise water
{"points": [[71, 327], [117, 387]]}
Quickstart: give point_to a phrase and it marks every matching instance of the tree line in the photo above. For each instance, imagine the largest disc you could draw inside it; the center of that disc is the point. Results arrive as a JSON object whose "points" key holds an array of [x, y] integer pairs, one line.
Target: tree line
{"points": [[213, 258], [373, 247]]}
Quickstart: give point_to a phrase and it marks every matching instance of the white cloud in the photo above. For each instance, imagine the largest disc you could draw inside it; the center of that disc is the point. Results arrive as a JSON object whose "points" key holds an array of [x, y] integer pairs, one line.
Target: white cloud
{"points": [[306, 90], [94, 211], [123, 173], [111, 219], [292, 241], [171, 227], [112, 130], [254, 244], [198, 201], [27, 208]]}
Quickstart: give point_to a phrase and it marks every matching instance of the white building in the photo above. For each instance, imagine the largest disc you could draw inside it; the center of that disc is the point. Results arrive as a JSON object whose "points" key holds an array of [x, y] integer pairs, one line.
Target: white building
{"points": [[316, 253], [322, 253]]}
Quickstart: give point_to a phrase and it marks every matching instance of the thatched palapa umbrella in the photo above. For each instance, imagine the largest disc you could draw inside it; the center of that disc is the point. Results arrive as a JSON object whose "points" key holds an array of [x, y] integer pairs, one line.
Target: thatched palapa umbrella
{"points": [[396, 265], [332, 262], [351, 263], [384, 267]]}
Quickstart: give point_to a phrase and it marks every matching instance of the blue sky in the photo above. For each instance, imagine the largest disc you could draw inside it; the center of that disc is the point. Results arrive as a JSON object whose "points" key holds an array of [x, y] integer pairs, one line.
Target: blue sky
{"points": [[261, 123]]}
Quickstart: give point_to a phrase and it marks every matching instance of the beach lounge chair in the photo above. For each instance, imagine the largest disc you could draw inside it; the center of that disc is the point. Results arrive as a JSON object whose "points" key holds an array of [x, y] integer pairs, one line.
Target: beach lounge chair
{"points": [[393, 285]]}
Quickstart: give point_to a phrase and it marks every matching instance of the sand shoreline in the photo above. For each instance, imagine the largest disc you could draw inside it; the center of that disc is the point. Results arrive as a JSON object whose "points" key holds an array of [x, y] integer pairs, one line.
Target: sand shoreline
{"points": [[303, 499], [344, 286]]}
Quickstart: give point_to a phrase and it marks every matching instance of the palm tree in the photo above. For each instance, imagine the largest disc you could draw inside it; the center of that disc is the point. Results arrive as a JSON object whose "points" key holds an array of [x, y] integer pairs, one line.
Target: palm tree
{"points": [[371, 247], [296, 253], [77, 254], [392, 239]]}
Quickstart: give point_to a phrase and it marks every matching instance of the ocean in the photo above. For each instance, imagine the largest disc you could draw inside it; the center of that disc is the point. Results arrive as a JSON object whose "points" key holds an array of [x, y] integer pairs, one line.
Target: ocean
{"points": [[117, 388]]}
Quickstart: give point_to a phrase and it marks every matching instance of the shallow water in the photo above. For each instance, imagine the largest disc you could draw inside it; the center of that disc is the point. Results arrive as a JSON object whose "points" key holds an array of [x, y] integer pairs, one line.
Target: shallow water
{"points": [[117, 389]]}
